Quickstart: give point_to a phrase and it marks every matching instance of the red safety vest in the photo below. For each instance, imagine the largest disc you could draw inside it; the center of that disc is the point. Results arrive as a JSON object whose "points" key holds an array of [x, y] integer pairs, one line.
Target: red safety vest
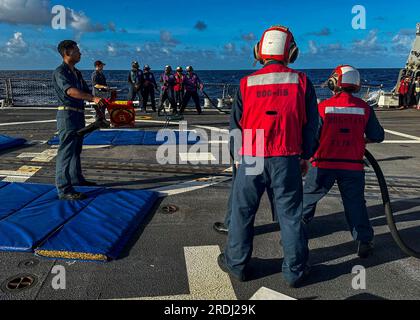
{"points": [[179, 79], [342, 144], [273, 101], [404, 88]]}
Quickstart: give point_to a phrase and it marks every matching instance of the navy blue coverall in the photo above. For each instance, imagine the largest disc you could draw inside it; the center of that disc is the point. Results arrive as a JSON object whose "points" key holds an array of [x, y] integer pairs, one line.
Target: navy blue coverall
{"points": [[135, 79], [282, 178], [148, 90], [70, 119]]}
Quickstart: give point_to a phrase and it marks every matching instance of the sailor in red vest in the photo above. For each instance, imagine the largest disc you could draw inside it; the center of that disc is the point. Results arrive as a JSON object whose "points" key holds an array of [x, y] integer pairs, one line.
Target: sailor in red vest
{"points": [[167, 91], [276, 113], [179, 86], [348, 124]]}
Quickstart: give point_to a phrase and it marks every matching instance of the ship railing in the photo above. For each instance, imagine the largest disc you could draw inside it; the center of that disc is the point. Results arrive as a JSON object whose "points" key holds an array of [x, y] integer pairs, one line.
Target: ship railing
{"points": [[24, 92]]}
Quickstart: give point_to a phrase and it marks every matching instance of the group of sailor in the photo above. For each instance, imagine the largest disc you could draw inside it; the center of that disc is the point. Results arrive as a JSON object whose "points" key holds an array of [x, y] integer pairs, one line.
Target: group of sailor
{"points": [[299, 135], [176, 88], [409, 91]]}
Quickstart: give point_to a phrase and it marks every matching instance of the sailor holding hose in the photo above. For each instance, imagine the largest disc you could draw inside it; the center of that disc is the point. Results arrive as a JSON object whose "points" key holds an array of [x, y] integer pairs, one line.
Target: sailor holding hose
{"points": [[348, 123], [72, 91]]}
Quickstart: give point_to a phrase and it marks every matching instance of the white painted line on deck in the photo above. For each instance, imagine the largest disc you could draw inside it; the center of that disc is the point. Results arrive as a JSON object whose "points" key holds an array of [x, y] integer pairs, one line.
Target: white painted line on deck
{"points": [[268, 294], [402, 142], [26, 122], [189, 186], [23, 174], [206, 280], [196, 157], [396, 133]]}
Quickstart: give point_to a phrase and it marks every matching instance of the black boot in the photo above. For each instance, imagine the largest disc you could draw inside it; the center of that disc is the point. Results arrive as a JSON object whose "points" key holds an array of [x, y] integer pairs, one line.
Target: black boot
{"points": [[220, 227], [364, 249]]}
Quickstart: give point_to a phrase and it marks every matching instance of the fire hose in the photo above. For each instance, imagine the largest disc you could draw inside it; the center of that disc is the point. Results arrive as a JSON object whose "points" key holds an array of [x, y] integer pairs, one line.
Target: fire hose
{"points": [[388, 208]]}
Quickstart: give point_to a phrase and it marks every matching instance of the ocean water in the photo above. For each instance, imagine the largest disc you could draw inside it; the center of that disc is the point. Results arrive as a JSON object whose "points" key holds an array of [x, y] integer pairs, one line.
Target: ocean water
{"points": [[29, 92], [386, 77]]}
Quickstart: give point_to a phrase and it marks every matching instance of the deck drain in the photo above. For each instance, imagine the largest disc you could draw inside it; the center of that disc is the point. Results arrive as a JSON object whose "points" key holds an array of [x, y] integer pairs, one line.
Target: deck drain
{"points": [[170, 209], [30, 263], [19, 283]]}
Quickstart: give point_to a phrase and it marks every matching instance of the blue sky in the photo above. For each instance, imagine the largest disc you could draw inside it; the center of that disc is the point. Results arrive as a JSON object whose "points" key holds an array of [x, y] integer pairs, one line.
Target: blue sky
{"points": [[212, 34]]}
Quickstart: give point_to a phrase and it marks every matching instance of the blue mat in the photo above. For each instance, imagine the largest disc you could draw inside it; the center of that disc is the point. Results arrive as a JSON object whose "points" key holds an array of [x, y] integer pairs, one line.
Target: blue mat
{"points": [[96, 229], [132, 137], [7, 142]]}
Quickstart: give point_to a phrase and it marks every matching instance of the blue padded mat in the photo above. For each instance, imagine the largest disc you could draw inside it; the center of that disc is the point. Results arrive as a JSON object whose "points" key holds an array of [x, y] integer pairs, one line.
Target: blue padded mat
{"points": [[132, 137], [99, 235], [7, 142], [93, 229]]}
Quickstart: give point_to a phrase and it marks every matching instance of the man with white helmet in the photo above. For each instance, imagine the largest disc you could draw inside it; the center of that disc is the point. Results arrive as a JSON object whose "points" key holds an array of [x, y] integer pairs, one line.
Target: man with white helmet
{"points": [[191, 83], [348, 124], [276, 113], [167, 91]]}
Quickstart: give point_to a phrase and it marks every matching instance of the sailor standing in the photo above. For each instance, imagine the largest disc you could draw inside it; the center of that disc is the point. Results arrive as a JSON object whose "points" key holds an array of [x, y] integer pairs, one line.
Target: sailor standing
{"points": [[135, 80], [167, 91], [71, 91], [191, 83], [179, 86], [99, 86], [417, 92], [348, 123], [148, 88], [276, 111]]}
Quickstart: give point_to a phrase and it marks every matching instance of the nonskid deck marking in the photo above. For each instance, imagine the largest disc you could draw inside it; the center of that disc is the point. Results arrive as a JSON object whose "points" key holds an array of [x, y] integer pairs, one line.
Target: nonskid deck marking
{"points": [[206, 280], [269, 294], [189, 186], [23, 174]]}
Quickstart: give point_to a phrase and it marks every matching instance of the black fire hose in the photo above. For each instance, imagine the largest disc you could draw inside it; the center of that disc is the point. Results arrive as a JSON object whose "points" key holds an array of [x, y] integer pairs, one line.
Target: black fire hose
{"points": [[388, 208], [98, 124], [214, 105]]}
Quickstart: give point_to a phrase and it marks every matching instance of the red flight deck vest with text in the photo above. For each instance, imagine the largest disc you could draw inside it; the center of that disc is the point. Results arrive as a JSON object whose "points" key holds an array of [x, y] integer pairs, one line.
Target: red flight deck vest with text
{"points": [[274, 101], [342, 143]]}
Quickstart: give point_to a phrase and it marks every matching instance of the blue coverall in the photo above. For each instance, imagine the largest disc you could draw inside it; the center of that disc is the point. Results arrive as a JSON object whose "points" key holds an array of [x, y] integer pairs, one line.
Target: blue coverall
{"points": [[70, 119], [282, 177], [135, 79], [98, 77], [351, 184]]}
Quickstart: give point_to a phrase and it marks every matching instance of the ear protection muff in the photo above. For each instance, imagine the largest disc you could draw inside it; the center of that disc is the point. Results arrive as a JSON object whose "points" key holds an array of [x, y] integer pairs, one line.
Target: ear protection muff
{"points": [[332, 82], [256, 53], [293, 52]]}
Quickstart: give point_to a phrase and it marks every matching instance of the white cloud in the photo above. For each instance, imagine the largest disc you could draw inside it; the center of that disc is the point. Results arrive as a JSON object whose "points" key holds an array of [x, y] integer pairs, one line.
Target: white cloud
{"points": [[38, 12], [403, 40], [17, 45], [229, 48], [112, 51], [313, 49], [370, 43], [167, 39], [32, 12], [248, 37], [81, 23]]}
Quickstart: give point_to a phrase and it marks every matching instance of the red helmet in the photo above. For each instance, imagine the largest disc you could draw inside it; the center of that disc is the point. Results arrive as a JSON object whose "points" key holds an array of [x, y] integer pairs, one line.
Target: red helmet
{"points": [[277, 43], [345, 77]]}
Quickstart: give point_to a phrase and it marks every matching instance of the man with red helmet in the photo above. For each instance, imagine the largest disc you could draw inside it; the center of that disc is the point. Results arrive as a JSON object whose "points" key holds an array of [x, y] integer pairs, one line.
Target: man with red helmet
{"points": [[275, 111], [348, 123]]}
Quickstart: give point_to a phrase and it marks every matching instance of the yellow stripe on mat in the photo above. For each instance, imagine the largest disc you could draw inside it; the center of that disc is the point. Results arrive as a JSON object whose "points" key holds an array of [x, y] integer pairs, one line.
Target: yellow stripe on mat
{"points": [[71, 255]]}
